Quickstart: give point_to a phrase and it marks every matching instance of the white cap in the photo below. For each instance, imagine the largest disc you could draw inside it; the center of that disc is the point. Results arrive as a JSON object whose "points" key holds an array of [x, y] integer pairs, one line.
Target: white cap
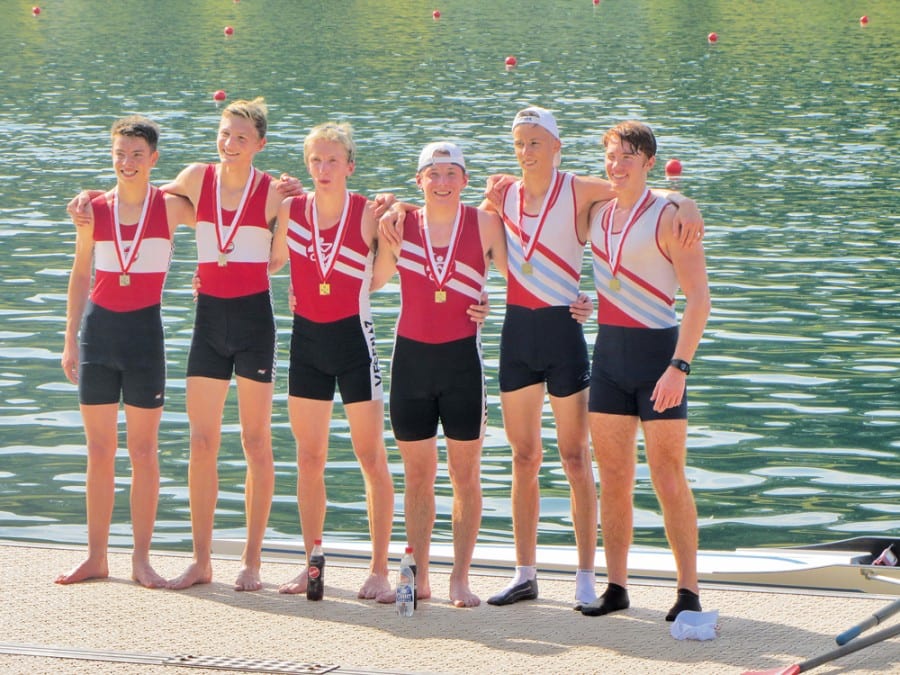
{"points": [[537, 115], [441, 152]]}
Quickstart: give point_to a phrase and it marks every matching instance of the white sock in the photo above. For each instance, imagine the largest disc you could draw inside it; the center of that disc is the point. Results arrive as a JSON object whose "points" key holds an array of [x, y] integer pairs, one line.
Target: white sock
{"points": [[584, 586], [524, 573]]}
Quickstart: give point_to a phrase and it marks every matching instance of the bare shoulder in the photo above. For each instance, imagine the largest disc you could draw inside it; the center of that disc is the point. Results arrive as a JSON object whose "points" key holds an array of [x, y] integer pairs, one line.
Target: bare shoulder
{"points": [[665, 231]]}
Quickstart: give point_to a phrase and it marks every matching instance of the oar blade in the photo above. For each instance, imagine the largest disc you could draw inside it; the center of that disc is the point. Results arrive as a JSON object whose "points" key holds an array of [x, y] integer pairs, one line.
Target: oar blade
{"points": [[787, 670]]}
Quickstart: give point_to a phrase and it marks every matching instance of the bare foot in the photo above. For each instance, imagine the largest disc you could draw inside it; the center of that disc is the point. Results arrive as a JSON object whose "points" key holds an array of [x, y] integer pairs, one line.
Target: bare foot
{"points": [[461, 595], [296, 585], [193, 575], [89, 569], [248, 579], [145, 575], [423, 588], [378, 588]]}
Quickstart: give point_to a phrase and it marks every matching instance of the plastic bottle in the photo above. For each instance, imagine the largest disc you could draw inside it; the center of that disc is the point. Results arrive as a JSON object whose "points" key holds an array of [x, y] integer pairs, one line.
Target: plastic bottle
{"points": [[887, 558], [406, 584], [315, 581]]}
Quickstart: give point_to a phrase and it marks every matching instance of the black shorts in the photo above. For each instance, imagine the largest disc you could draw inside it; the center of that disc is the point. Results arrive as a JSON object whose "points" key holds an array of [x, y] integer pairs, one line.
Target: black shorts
{"points": [[627, 364], [433, 383], [338, 352], [122, 357], [543, 345], [234, 335]]}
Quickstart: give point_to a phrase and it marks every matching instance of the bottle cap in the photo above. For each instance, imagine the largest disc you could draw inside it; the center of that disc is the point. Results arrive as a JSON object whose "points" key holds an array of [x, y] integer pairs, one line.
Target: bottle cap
{"points": [[409, 549]]}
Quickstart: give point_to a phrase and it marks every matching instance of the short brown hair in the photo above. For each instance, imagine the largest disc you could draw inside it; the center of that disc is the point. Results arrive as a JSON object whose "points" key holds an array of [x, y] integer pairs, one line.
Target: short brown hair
{"points": [[637, 134], [136, 126]]}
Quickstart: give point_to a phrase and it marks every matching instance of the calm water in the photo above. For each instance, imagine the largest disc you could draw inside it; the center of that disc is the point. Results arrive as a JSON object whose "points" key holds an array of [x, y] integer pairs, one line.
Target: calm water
{"points": [[787, 129]]}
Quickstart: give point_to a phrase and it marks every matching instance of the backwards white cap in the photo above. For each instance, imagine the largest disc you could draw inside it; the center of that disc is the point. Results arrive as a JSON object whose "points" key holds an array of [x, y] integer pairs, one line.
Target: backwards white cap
{"points": [[537, 115], [441, 152]]}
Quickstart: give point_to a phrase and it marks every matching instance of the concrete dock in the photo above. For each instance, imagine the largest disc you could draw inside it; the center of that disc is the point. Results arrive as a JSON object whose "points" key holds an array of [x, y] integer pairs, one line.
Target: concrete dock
{"points": [[115, 626]]}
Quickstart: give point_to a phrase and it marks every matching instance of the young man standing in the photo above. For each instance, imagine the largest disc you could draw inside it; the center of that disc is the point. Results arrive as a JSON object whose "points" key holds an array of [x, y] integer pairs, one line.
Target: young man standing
{"points": [[114, 346], [641, 361]]}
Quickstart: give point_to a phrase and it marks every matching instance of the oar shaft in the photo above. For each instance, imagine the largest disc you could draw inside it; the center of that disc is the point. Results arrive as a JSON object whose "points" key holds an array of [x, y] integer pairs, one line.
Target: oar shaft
{"points": [[850, 647], [866, 624]]}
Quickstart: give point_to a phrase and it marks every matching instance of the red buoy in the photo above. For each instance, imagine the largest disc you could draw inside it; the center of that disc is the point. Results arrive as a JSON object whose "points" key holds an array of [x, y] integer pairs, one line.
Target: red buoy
{"points": [[511, 61], [712, 38], [219, 95], [35, 11], [228, 31], [863, 20], [673, 167], [596, 2], [436, 14]]}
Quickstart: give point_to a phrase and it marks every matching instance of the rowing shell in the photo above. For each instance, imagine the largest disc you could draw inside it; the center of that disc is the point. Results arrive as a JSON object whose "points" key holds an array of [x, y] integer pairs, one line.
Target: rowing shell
{"points": [[835, 566]]}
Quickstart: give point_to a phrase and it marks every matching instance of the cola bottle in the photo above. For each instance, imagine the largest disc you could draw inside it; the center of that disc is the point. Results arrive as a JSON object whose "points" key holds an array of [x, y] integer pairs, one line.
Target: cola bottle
{"points": [[315, 573]]}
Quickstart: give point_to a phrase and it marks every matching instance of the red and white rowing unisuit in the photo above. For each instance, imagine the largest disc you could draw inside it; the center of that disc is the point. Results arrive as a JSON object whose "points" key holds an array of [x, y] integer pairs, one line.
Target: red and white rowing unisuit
{"points": [[233, 262], [433, 310], [332, 278], [545, 252], [132, 277], [634, 278]]}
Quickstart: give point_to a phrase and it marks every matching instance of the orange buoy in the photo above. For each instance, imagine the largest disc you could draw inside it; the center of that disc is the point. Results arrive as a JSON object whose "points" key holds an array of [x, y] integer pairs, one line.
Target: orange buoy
{"points": [[673, 167], [228, 31], [219, 95], [511, 61], [712, 38], [436, 14]]}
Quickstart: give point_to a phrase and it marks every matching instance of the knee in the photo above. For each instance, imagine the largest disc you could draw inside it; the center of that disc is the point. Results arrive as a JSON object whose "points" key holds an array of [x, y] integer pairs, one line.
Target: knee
{"points": [[527, 456], [101, 452], [577, 462], [466, 478], [144, 455], [670, 483], [311, 464], [257, 446], [421, 476], [204, 445], [373, 462]]}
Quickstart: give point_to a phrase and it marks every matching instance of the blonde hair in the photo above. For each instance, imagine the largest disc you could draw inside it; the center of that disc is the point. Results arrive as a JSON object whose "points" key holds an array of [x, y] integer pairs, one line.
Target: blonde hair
{"points": [[256, 111], [332, 131]]}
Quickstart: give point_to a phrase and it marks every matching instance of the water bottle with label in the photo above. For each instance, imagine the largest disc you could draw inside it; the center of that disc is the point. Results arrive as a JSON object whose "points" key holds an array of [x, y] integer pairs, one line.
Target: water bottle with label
{"points": [[315, 573], [406, 584]]}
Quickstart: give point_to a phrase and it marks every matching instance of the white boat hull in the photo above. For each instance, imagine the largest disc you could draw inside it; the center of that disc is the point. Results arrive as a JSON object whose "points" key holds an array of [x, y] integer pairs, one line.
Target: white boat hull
{"points": [[812, 569]]}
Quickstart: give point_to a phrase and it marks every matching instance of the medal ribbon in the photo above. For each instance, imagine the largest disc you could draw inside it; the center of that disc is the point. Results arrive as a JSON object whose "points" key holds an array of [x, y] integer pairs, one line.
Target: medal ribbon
{"points": [[549, 199], [235, 222], [325, 264], [440, 274], [615, 258], [126, 258]]}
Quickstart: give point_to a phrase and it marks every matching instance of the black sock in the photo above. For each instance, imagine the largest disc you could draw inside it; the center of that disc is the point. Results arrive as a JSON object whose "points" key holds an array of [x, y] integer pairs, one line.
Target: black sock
{"points": [[687, 599], [614, 598]]}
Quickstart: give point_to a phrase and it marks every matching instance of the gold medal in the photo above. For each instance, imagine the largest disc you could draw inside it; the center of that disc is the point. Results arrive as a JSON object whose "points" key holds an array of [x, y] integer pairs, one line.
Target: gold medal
{"points": [[440, 296], [223, 260], [615, 284], [124, 280], [325, 288], [527, 268]]}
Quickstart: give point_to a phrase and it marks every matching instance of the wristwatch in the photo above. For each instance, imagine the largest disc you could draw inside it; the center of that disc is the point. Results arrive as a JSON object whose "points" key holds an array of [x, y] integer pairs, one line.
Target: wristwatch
{"points": [[682, 365]]}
